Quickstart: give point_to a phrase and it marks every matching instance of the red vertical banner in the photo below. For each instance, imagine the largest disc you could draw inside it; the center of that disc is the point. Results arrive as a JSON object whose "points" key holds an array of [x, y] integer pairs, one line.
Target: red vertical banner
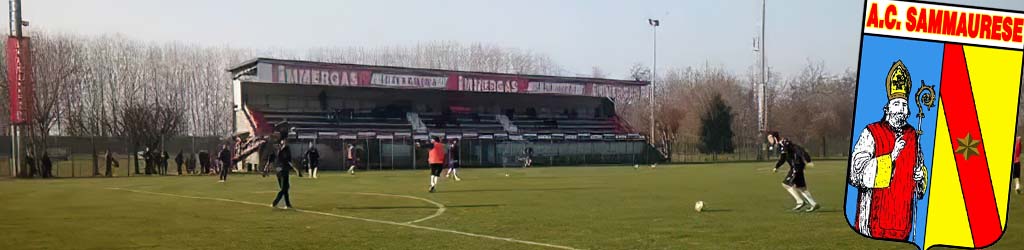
{"points": [[13, 83], [19, 77]]}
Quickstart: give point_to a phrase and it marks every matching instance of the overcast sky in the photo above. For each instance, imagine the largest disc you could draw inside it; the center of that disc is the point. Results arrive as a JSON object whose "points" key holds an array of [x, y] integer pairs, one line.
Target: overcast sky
{"points": [[579, 35]]}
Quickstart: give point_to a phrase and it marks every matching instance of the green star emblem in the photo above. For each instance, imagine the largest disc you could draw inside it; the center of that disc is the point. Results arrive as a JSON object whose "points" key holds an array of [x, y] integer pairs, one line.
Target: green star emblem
{"points": [[967, 146]]}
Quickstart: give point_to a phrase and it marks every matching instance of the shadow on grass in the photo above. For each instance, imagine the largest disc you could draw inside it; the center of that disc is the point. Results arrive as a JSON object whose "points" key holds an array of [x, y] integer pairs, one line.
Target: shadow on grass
{"points": [[516, 190], [712, 210], [421, 207]]}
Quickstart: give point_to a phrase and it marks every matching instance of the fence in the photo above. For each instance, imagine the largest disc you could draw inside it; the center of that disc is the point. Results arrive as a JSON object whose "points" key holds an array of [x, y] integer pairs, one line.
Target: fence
{"points": [[73, 156], [690, 152], [399, 153]]}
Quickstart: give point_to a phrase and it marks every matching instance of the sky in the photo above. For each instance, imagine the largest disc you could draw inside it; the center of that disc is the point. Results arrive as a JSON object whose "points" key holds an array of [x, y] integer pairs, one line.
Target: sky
{"points": [[579, 34]]}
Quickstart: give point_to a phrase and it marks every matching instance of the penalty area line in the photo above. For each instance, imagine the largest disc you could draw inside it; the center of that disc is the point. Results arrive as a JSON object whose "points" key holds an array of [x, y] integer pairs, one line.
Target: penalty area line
{"points": [[359, 219]]}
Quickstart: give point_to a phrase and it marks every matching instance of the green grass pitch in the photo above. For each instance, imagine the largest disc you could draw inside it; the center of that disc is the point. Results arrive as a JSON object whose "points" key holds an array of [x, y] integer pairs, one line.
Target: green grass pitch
{"points": [[538, 208]]}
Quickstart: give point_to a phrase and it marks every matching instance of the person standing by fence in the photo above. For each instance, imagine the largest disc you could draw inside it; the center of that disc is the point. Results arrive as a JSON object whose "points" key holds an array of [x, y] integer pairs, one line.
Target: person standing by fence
{"points": [[179, 159], [190, 163], [47, 166], [163, 162], [110, 162], [225, 162]]}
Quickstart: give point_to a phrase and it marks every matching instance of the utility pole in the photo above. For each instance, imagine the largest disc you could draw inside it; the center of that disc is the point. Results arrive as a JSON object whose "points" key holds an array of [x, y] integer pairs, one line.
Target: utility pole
{"points": [[654, 75], [762, 99]]}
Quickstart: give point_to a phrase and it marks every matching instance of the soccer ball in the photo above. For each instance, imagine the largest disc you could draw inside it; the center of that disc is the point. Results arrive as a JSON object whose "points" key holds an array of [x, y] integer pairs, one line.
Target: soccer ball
{"points": [[699, 206], [506, 175], [637, 166], [654, 165]]}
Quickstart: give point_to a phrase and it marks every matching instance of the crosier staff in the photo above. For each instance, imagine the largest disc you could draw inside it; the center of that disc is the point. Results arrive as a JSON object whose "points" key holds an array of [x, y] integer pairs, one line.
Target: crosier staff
{"points": [[926, 95]]}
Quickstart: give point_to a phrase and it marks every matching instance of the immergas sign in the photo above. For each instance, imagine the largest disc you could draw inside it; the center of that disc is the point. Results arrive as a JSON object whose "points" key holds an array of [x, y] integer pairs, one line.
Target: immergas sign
{"points": [[316, 76], [490, 84], [369, 76]]}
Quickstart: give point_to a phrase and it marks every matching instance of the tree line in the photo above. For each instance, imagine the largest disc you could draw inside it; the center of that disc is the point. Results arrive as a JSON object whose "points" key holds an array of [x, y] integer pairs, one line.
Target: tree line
{"points": [[112, 85]]}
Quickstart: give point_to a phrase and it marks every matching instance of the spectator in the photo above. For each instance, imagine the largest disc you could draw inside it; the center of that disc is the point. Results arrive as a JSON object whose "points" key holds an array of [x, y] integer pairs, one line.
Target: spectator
{"points": [[225, 162], [47, 166], [179, 159], [110, 162], [204, 161], [147, 155], [190, 163], [163, 162], [31, 162]]}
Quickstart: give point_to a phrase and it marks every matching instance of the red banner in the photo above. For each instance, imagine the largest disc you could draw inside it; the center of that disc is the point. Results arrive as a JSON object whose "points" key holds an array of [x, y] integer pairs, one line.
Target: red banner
{"points": [[19, 77]]}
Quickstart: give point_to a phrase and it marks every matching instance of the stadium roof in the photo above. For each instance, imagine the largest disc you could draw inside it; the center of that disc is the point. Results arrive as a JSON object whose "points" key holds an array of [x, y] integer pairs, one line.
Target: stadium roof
{"points": [[250, 65]]}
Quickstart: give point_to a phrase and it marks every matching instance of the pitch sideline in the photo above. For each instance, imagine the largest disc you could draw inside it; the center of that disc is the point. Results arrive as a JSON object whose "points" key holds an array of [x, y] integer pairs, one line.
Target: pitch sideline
{"points": [[360, 219]]}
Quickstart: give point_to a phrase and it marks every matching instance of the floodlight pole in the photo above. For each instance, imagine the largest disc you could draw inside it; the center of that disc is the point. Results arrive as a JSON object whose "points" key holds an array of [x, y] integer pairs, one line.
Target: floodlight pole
{"points": [[654, 75], [764, 84]]}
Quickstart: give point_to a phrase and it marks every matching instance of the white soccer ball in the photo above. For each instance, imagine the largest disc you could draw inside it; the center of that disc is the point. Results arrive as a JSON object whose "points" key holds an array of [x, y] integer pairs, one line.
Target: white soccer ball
{"points": [[654, 165], [636, 166], [699, 207]]}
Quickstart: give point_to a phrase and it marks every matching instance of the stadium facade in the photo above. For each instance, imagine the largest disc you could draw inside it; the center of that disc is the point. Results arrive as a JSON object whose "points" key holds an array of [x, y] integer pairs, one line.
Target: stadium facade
{"points": [[384, 110]]}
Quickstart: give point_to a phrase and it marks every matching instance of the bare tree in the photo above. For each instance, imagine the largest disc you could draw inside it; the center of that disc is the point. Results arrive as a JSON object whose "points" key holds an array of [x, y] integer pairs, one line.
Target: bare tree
{"points": [[55, 62]]}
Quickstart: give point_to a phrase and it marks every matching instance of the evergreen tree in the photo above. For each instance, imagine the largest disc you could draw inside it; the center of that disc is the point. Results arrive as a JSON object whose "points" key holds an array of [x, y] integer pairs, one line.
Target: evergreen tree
{"points": [[716, 128]]}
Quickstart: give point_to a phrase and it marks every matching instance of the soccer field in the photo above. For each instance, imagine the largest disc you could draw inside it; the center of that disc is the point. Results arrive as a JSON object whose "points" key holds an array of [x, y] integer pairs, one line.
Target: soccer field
{"points": [[538, 208]]}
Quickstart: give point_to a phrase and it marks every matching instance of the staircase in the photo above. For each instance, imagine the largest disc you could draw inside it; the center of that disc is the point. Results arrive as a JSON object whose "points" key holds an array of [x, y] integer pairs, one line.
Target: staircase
{"points": [[507, 124], [417, 123], [251, 146]]}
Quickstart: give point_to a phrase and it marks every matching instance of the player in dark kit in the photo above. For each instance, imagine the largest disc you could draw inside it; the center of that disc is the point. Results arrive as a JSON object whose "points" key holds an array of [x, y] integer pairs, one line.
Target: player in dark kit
{"points": [[453, 160], [351, 158], [797, 158], [225, 159], [313, 159], [283, 165]]}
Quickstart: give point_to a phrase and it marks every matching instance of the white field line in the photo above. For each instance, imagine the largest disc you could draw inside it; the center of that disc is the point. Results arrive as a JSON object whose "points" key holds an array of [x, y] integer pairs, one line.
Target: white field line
{"points": [[440, 207], [361, 219]]}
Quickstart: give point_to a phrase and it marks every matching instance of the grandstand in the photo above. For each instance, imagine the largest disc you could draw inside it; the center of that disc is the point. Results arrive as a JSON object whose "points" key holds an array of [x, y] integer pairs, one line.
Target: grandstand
{"points": [[383, 110]]}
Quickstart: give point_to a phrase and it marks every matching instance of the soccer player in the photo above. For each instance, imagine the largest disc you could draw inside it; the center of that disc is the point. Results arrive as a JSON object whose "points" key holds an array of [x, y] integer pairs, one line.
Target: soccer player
{"points": [[435, 159], [225, 159], [282, 163], [527, 157], [1015, 170], [453, 160], [351, 158], [794, 183], [313, 159]]}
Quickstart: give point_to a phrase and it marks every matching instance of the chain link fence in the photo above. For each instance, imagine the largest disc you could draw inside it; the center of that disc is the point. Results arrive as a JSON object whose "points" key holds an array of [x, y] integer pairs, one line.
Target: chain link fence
{"points": [[690, 152], [85, 156]]}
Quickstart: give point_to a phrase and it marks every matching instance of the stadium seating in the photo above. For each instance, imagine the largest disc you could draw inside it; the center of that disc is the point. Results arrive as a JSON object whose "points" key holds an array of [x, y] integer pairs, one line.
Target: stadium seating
{"points": [[567, 125], [343, 121], [461, 122], [385, 121]]}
